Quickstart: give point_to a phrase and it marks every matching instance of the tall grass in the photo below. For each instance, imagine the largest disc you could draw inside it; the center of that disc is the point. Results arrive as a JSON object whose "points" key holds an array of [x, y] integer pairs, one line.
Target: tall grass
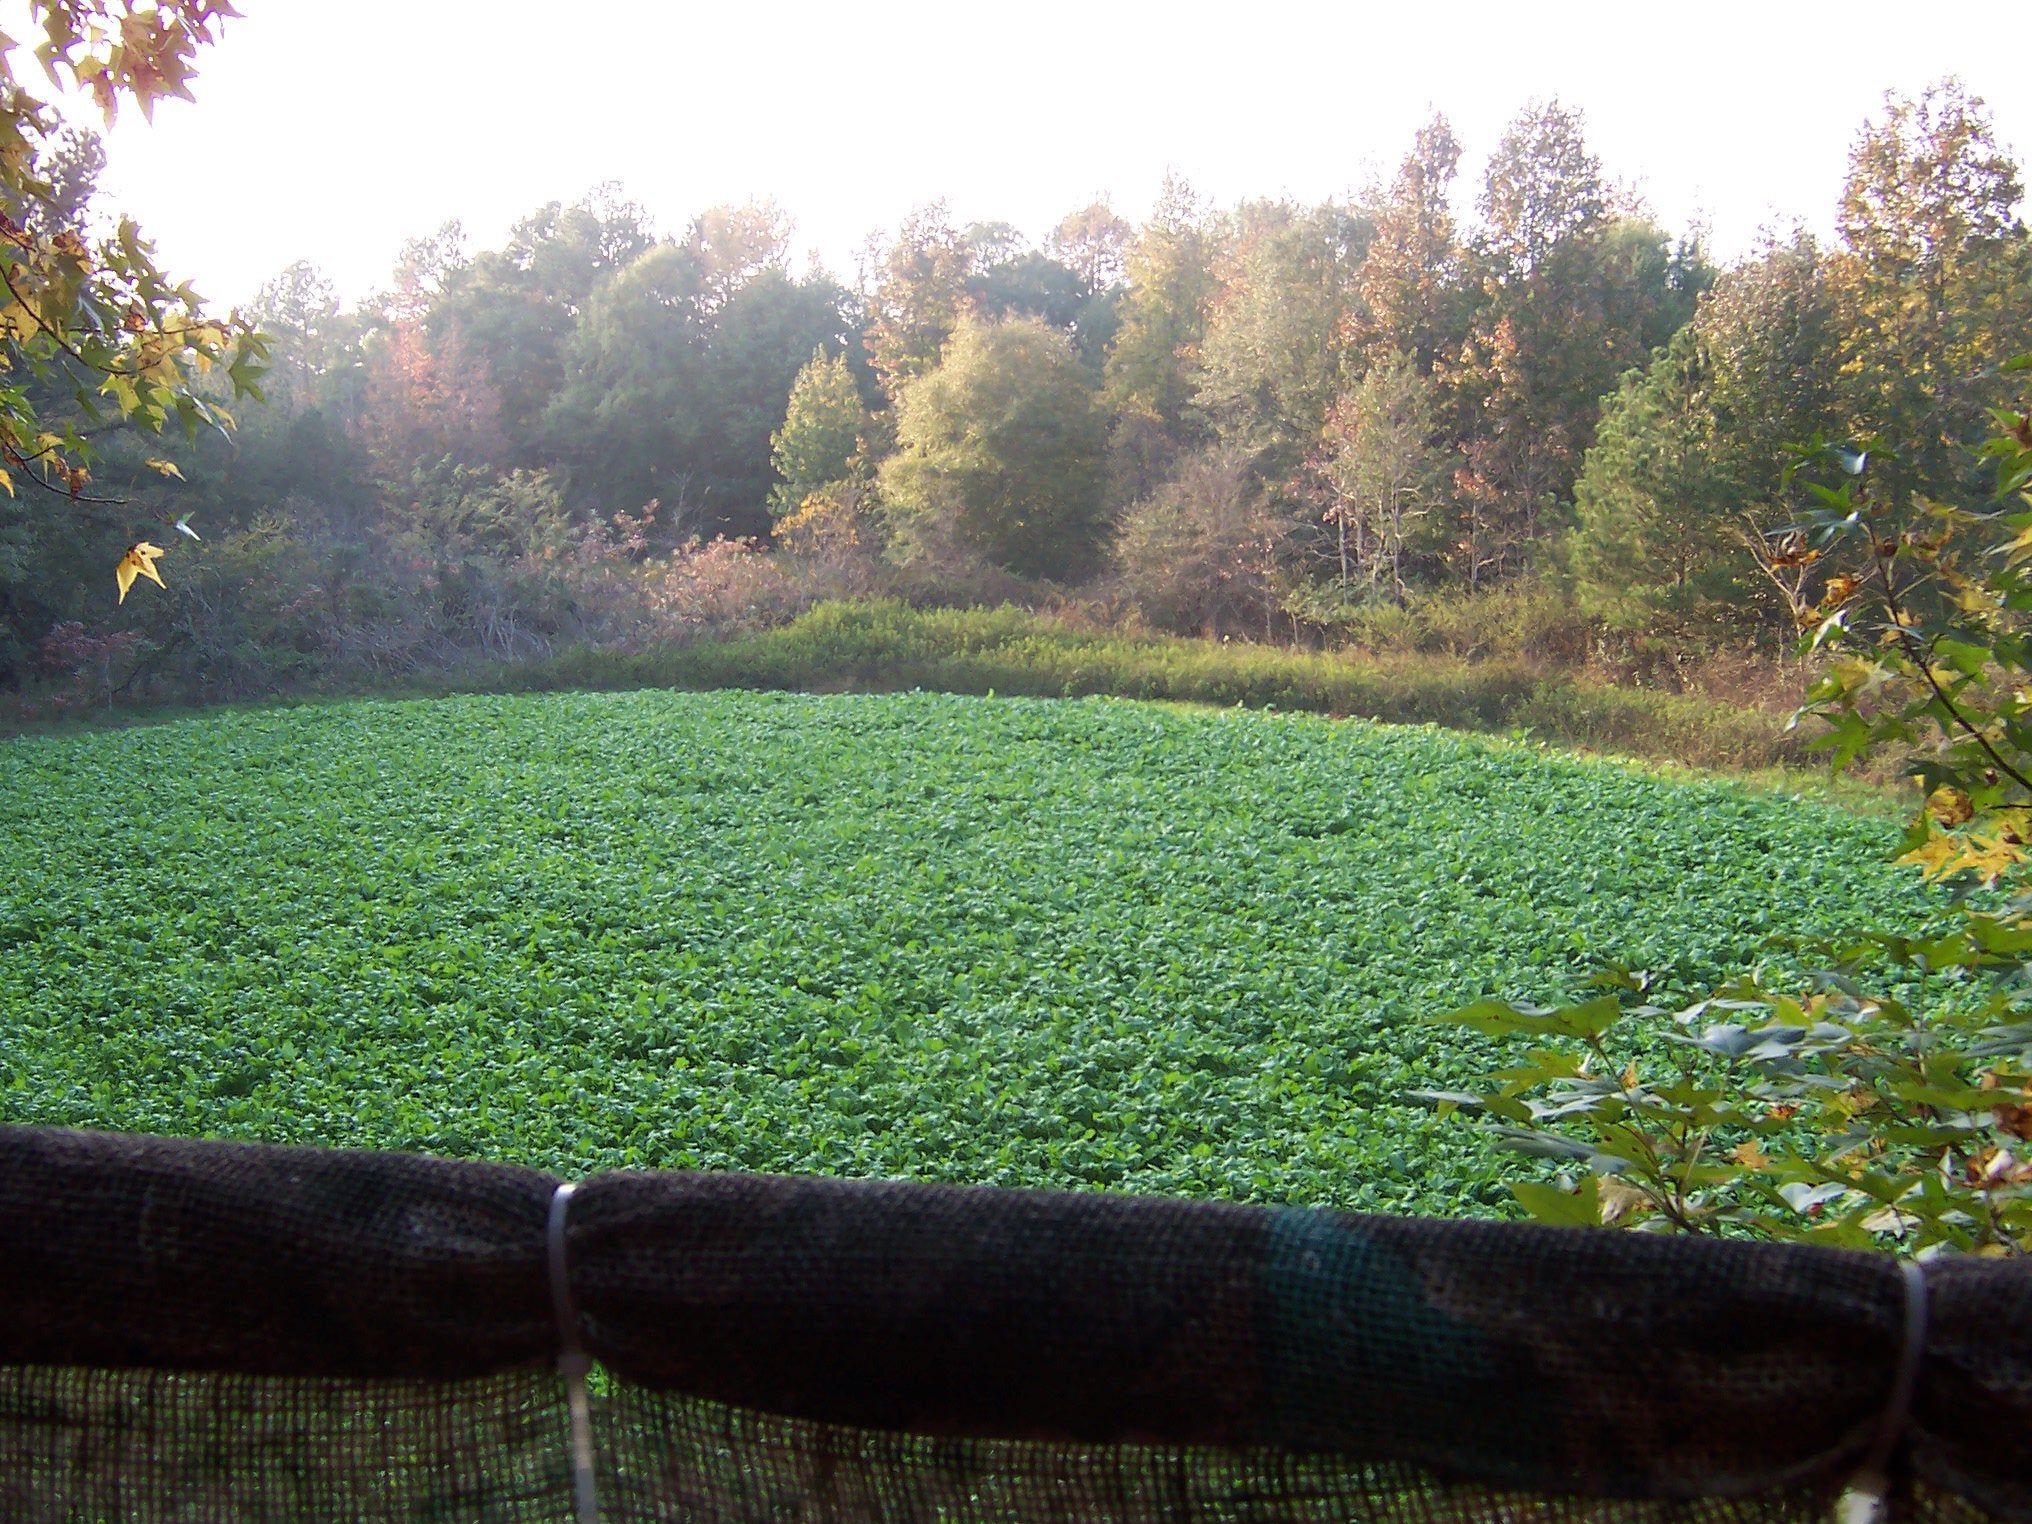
{"points": [[886, 645]]}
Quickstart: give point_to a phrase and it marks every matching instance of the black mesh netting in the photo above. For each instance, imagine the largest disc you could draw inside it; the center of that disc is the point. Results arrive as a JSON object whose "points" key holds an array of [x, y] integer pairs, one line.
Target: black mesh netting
{"points": [[205, 1331]]}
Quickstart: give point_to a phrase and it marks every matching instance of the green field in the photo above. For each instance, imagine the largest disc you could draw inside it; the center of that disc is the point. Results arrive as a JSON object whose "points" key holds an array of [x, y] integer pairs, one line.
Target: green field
{"points": [[1092, 944]]}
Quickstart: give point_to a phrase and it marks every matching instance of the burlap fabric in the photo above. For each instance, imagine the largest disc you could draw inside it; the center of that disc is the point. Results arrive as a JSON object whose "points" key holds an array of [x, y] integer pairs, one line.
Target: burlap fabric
{"points": [[204, 1331]]}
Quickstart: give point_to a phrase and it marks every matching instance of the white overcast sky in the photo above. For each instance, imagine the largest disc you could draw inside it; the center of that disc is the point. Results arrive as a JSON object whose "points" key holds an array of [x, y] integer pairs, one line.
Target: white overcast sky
{"points": [[333, 130]]}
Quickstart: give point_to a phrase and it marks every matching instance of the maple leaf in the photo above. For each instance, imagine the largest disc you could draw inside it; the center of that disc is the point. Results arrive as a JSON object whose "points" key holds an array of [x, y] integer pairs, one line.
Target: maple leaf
{"points": [[1990, 857], [1935, 855], [138, 562]]}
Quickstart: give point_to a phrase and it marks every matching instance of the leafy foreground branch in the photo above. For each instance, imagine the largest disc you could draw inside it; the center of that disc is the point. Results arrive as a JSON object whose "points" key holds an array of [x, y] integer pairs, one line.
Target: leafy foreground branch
{"points": [[1889, 1102], [92, 334]]}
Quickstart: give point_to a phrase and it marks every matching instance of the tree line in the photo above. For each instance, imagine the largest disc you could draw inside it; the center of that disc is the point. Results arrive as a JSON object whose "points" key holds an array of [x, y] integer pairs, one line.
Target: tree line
{"points": [[1267, 420]]}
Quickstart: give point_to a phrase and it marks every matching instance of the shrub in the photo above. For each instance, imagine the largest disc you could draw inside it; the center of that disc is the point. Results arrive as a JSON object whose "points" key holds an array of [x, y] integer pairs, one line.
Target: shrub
{"points": [[1199, 555]]}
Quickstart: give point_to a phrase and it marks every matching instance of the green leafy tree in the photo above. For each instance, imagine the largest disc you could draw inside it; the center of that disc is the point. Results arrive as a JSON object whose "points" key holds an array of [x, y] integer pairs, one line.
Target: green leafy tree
{"points": [[1573, 296], [1651, 286], [1929, 284], [1539, 354], [1153, 366], [676, 378], [1385, 472], [917, 294], [308, 338], [815, 450], [999, 454], [1768, 329], [513, 310], [1681, 516], [1271, 359], [621, 423], [734, 245], [304, 446], [754, 348], [1093, 243], [1024, 283]]}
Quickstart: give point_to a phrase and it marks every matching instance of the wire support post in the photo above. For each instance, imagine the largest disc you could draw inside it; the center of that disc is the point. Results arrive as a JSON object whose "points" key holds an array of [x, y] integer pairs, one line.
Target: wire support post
{"points": [[1864, 1501], [573, 1363]]}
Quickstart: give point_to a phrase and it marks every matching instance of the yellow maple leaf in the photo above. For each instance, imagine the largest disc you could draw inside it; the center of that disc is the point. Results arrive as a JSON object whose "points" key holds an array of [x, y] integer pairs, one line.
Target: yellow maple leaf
{"points": [[1933, 854], [138, 562], [1990, 856], [1750, 1155], [1987, 855]]}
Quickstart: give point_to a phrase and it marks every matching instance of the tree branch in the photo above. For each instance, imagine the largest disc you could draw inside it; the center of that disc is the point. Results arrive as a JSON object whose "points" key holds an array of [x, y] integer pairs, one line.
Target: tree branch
{"points": [[1922, 658]]}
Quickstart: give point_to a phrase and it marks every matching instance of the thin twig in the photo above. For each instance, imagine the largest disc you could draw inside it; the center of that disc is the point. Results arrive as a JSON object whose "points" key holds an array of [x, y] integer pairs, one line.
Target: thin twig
{"points": [[73, 497]]}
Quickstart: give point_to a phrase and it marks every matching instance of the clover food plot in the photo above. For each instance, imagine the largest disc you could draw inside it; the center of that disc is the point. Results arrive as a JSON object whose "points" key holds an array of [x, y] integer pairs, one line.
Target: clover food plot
{"points": [[1023, 943]]}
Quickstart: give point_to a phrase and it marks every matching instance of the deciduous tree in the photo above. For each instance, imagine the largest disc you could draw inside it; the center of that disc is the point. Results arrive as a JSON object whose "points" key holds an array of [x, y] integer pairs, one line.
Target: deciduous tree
{"points": [[1412, 281], [1000, 454], [675, 382], [916, 291], [1572, 297], [1385, 472], [513, 310], [821, 433], [1930, 283], [1271, 359], [1154, 363], [1200, 554]]}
